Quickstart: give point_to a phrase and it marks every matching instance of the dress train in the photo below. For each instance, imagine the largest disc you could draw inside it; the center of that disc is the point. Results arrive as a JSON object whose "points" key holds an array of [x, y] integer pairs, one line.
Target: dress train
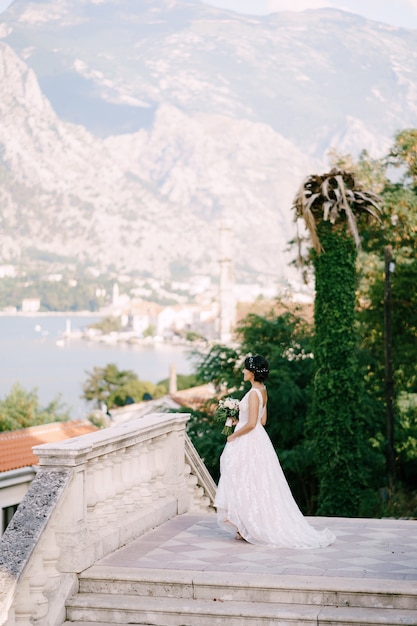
{"points": [[253, 496]]}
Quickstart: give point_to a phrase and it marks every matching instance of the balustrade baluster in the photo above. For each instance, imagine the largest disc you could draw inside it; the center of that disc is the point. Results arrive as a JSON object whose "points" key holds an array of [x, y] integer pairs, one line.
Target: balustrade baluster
{"points": [[92, 494], [100, 491], [130, 469], [50, 556], [24, 604], [160, 465], [143, 488], [111, 488], [117, 475], [37, 584]]}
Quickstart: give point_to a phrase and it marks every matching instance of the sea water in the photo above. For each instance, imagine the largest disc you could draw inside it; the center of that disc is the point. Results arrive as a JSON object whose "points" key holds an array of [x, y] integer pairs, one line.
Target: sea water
{"points": [[36, 354]]}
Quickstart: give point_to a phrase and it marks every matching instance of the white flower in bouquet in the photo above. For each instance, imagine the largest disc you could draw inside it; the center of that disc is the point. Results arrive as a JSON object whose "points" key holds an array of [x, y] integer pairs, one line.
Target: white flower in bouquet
{"points": [[227, 411]]}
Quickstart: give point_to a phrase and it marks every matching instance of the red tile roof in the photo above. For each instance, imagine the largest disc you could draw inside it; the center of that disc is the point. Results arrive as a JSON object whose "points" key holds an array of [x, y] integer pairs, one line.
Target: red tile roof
{"points": [[195, 397], [16, 445]]}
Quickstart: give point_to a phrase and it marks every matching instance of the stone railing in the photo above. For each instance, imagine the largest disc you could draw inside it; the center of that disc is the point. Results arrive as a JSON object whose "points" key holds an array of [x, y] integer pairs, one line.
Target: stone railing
{"points": [[92, 495], [201, 486]]}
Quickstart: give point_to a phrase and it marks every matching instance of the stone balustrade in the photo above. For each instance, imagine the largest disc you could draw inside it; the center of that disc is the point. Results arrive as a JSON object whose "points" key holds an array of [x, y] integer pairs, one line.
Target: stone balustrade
{"points": [[92, 495]]}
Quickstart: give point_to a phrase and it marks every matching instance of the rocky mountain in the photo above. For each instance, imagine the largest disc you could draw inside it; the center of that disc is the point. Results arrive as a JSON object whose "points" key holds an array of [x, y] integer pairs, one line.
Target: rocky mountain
{"points": [[130, 128]]}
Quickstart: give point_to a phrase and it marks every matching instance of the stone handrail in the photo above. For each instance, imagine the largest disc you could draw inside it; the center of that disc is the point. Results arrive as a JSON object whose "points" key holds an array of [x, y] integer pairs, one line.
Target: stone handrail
{"points": [[92, 495], [203, 487]]}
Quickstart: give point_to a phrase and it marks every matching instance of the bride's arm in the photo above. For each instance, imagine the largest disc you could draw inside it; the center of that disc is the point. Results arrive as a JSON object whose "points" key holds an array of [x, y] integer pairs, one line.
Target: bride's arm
{"points": [[253, 418]]}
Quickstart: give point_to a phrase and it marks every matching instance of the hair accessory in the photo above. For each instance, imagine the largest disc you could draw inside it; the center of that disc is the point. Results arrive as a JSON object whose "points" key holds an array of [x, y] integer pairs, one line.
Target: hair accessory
{"points": [[254, 368]]}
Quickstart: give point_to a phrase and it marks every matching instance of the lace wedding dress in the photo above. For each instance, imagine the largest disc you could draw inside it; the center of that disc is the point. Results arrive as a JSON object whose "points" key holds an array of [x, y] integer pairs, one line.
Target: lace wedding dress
{"points": [[253, 496]]}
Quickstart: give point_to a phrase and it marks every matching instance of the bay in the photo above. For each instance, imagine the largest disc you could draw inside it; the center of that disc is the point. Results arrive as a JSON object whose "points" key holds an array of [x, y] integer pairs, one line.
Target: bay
{"points": [[34, 354]]}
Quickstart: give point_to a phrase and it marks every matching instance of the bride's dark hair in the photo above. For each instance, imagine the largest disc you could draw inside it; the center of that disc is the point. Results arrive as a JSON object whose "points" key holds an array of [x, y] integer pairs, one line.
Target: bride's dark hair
{"points": [[259, 366]]}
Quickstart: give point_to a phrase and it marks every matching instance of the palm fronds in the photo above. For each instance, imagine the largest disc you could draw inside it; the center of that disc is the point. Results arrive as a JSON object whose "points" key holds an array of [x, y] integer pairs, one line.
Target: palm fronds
{"points": [[336, 196]]}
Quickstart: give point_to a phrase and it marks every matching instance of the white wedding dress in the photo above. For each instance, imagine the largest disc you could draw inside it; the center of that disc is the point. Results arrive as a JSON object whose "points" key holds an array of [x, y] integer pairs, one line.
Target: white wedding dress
{"points": [[253, 495]]}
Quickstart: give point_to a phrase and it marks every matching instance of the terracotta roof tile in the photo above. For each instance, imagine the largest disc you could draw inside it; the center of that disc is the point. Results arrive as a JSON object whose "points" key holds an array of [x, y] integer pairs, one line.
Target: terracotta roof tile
{"points": [[144, 307], [194, 397], [16, 445]]}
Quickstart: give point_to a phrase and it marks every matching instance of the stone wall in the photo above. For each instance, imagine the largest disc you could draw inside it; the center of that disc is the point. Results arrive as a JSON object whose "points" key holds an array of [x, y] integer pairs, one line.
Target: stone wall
{"points": [[92, 495]]}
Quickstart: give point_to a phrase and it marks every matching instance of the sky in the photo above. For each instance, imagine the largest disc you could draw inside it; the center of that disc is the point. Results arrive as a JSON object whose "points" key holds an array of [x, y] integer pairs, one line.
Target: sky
{"points": [[394, 12]]}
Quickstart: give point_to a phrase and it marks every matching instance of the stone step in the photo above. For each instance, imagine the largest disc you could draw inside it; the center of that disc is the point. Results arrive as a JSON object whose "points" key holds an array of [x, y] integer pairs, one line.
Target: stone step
{"points": [[128, 609], [275, 589]]}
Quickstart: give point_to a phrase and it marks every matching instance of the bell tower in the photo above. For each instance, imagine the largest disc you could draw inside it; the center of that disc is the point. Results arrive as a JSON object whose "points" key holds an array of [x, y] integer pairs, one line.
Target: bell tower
{"points": [[226, 297]]}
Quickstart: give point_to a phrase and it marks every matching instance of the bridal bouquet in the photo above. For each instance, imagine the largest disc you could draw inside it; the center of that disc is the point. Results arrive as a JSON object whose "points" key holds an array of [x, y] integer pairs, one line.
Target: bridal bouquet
{"points": [[227, 411]]}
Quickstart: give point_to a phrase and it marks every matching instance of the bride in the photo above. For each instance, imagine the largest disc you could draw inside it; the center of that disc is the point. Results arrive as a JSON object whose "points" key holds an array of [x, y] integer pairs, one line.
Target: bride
{"points": [[253, 499]]}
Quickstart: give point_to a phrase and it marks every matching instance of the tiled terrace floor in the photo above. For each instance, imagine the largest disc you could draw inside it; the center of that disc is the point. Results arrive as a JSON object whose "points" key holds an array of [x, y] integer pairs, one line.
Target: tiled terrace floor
{"points": [[364, 548]]}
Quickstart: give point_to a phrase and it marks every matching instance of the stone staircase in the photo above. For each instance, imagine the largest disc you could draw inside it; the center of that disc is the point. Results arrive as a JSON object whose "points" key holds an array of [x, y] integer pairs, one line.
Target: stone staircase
{"points": [[129, 507], [186, 598]]}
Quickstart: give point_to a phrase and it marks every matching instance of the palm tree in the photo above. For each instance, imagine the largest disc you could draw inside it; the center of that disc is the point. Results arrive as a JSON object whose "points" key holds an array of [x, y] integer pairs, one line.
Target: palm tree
{"points": [[337, 197], [332, 206]]}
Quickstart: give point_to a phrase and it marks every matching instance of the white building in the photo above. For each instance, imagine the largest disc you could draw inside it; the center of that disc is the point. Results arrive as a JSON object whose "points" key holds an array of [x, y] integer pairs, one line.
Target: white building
{"points": [[31, 305]]}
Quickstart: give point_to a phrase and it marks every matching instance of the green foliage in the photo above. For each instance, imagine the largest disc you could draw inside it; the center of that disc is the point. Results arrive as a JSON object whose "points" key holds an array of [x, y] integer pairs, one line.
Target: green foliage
{"points": [[219, 365], [107, 325], [285, 340], [371, 172], [76, 291], [207, 438], [336, 428], [398, 229], [116, 387], [184, 381], [21, 409], [193, 336], [406, 439], [398, 502], [404, 154], [99, 419], [54, 296]]}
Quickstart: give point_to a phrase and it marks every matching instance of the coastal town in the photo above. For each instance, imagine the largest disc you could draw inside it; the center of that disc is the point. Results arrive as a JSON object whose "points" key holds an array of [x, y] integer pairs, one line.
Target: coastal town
{"points": [[207, 314], [151, 310]]}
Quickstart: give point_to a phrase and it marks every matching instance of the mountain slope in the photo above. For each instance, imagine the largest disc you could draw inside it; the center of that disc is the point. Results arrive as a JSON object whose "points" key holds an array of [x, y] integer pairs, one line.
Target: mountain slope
{"points": [[129, 200], [130, 128], [293, 71]]}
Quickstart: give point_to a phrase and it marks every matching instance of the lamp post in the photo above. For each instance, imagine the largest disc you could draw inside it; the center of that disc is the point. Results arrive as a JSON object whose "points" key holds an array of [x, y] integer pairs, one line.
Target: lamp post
{"points": [[389, 380]]}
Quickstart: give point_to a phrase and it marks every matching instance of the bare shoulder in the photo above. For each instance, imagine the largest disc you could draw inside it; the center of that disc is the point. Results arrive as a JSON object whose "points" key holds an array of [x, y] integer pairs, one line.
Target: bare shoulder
{"points": [[260, 394]]}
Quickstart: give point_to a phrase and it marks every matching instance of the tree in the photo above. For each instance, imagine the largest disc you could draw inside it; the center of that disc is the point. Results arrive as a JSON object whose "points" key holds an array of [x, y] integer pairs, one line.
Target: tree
{"points": [[184, 381], [333, 206], [397, 228], [110, 324], [114, 387], [404, 154], [21, 409]]}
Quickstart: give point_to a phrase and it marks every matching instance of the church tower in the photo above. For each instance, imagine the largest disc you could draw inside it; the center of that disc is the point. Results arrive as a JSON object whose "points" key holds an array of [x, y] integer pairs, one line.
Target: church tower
{"points": [[115, 295], [227, 297]]}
